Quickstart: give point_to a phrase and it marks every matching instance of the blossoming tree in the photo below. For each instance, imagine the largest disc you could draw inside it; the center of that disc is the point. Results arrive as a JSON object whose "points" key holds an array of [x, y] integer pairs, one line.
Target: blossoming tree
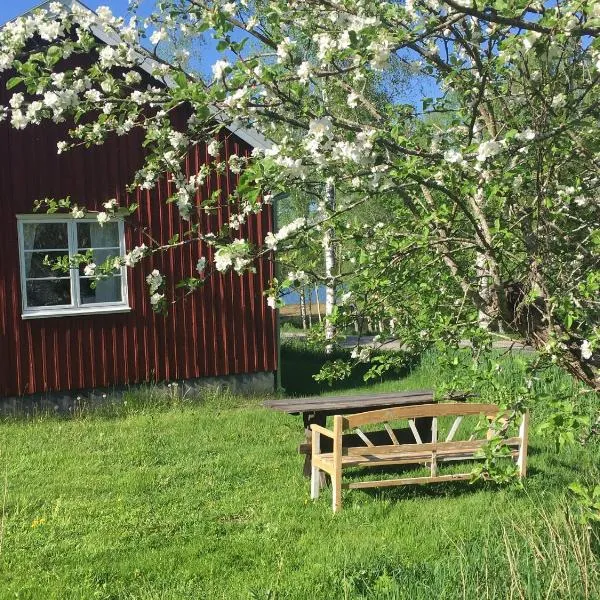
{"points": [[490, 185]]}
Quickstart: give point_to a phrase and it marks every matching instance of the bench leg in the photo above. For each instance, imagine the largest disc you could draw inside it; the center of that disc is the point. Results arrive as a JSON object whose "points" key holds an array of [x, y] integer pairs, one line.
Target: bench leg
{"points": [[336, 475], [308, 419], [315, 475], [315, 483], [336, 485]]}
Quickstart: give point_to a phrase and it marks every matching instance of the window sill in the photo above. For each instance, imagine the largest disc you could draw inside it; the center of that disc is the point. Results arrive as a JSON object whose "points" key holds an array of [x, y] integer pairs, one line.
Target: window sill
{"points": [[74, 312]]}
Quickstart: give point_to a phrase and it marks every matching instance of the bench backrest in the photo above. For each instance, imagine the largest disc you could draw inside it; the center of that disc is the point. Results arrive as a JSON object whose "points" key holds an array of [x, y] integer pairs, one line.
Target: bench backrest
{"points": [[383, 415]]}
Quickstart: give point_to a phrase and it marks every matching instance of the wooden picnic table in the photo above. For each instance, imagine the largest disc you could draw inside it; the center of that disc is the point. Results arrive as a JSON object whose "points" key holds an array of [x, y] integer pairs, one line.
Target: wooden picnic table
{"points": [[316, 410]]}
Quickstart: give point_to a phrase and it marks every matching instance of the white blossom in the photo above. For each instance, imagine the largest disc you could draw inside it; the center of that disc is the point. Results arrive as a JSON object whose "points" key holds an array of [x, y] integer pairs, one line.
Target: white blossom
{"points": [[586, 350], [284, 48], [156, 298], [488, 149], [304, 72], [201, 265], [213, 148], [559, 101], [132, 258], [453, 156], [89, 270], [111, 204], [158, 36], [319, 128], [77, 213], [219, 68], [154, 281], [526, 135], [102, 218]]}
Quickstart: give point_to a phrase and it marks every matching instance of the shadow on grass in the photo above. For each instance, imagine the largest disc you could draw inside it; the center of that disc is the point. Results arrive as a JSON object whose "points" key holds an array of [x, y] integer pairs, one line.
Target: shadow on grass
{"points": [[299, 363]]}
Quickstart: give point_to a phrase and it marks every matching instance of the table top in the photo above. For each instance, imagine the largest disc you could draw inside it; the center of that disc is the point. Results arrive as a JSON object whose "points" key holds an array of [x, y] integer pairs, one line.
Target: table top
{"points": [[348, 403]]}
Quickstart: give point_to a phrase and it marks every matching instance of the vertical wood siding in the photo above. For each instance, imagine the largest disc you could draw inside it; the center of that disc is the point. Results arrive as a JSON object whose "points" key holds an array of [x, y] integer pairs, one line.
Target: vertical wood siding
{"points": [[224, 328]]}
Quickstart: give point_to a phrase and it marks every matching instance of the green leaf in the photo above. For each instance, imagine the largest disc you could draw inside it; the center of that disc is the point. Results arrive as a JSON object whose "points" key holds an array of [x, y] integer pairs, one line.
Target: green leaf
{"points": [[13, 82]]}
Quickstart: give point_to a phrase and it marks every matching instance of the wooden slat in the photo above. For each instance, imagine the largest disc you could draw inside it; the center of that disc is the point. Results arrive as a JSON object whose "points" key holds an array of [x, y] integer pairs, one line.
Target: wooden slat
{"points": [[415, 431], [323, 463], [412, 412], [407, 481], [465, 446], [414, 459], [391, 434], [523, 434], [322, 430], [454, 428], [364, 438], [434, 439]]}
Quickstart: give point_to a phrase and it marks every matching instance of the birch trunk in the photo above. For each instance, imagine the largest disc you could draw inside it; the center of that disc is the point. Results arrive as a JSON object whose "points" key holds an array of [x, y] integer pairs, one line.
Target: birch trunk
{"points": [[318, 303], [330, 265], [303, 308]]}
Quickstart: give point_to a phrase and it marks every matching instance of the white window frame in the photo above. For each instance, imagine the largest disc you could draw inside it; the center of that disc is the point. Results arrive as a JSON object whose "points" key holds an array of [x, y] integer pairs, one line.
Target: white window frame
{"points": [[75, 308]]}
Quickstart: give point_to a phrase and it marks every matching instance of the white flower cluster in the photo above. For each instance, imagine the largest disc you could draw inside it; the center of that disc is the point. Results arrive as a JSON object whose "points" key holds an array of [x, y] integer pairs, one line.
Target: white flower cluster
{"points": [[272, 239], [586, 350], [90, 270], [361, 354], [220, 68], [236, 255], [453, 156], [299, 276], [488, 150], [77, 212], [201, 265], [155, 280], [213, 148], [236, 163], [135, 256], [284, 49]]}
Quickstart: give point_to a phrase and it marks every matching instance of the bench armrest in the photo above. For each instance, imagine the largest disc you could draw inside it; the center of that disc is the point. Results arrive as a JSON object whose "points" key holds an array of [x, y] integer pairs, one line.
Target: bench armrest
{"points": [[322, 430]]}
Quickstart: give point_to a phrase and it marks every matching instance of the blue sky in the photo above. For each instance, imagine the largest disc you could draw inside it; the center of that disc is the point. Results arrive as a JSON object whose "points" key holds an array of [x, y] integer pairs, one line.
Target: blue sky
{"points": [[9, 9]]}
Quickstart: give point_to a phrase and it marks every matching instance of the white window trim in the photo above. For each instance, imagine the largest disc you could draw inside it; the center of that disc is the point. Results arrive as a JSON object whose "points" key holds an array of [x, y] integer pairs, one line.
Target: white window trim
{"points": [[73, 309]]}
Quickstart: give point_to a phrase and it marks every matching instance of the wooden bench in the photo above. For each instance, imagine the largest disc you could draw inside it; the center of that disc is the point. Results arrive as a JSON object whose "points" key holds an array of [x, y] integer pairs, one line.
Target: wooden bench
{"points": [[432, 452]]}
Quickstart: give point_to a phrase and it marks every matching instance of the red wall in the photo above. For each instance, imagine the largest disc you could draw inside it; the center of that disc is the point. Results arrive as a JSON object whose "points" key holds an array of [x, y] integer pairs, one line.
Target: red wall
{"points": [[223, 329]]}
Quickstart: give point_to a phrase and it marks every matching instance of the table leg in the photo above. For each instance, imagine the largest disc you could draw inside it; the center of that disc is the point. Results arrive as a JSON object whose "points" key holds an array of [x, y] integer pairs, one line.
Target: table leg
{"points": [[309, 419]]}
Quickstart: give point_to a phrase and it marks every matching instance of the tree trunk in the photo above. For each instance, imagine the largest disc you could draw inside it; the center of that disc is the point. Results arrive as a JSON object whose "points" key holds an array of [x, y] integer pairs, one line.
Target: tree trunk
{"points": [[303, 308], [330, 265], [483, 282], [318, 303]]}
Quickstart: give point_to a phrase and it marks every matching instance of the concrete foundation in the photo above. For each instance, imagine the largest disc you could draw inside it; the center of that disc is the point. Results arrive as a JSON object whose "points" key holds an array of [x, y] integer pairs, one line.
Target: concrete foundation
{"points": [[71, 402]]}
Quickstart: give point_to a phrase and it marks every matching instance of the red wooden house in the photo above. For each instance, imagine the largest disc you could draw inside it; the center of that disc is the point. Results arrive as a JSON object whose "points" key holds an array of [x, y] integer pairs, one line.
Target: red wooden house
{"points": [[59, 334]]}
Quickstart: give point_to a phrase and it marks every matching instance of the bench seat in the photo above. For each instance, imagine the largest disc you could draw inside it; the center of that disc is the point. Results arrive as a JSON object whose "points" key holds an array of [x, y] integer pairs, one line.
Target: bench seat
{"points": [[410, 454]]}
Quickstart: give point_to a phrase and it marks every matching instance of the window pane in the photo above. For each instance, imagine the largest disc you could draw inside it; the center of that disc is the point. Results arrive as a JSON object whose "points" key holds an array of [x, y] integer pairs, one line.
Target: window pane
{"points": [[107, 290], [35, 267], [44, 236], [49, 293], [91, 235]]}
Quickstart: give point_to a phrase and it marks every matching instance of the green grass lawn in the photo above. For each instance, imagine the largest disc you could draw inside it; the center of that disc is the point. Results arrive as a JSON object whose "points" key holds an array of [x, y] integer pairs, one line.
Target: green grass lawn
{"points": [[206, 500]]}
